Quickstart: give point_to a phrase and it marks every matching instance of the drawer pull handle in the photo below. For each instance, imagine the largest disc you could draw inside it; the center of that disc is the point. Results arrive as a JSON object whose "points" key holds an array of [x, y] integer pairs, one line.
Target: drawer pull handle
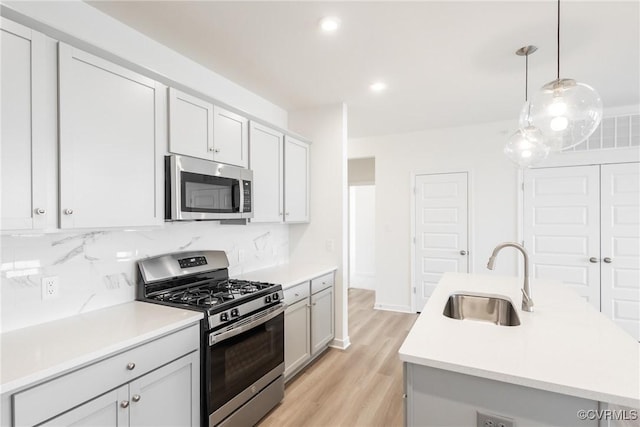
{"points": [[124, 404], [131, 366], [607, 260], [136, 398]]}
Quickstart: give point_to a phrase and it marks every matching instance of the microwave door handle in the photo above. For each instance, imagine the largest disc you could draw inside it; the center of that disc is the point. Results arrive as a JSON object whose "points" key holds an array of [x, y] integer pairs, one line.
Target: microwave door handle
{"points": [[240, 188], [214, 339]]}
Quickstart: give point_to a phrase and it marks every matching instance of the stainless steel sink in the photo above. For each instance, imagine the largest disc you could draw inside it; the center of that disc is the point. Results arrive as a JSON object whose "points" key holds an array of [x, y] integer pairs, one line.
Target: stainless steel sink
{"points": [[498, 311]]}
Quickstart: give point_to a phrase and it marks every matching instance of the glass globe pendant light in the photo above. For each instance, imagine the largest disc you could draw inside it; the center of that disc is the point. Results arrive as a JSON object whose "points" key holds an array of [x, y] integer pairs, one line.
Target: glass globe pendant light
{"points": [[526, 147], [565, 111]]}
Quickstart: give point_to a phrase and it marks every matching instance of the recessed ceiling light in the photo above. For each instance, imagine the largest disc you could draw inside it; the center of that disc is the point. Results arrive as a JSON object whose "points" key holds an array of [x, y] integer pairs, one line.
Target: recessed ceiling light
{"points": [[378, 86], [329, 24]]}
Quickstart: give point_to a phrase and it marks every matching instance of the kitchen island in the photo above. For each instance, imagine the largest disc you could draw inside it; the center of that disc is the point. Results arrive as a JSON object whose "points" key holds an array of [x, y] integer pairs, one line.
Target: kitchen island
{"points": [[563, 358]]}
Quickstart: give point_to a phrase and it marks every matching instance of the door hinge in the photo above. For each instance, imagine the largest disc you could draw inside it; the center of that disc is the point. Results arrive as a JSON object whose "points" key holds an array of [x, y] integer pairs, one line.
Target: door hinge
{"points": [[522, 186], [414, 239], [414, 289]]}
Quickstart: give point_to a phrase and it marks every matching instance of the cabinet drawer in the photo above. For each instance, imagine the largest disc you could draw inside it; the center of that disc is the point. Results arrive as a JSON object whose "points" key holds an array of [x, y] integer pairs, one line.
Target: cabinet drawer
{"points": [[296, 293], [322, 282], [60, 394]]}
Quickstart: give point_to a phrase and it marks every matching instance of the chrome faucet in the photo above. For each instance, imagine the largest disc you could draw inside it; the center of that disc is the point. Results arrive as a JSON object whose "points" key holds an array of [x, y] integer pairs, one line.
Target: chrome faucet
{"points": [[527, 302]]}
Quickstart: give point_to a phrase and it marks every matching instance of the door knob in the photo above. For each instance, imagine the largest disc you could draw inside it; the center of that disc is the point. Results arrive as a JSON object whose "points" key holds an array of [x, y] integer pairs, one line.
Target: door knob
{"points": [[608, 260], [593, 260], [124, 404], [136, 398], [463, 252], [41, 211], [68, 211]]}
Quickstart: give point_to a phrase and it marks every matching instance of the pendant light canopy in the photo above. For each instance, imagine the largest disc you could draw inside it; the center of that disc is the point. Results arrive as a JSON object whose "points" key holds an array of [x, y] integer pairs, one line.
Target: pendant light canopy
{"points": [[565, 111], [526, 147]]}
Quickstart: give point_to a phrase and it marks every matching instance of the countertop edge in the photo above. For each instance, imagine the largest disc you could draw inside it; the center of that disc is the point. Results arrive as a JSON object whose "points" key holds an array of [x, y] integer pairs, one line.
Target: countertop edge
{"points": [[524, 381]]}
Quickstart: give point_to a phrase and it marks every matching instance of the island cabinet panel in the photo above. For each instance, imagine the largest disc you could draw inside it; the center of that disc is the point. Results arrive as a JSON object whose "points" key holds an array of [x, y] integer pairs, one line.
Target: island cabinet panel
{"points": [[111, 120], [436, 397], [156, 383]]}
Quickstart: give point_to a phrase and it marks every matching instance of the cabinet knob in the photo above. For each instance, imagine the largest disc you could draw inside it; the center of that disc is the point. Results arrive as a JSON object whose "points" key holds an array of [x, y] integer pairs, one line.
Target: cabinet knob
{"points": [[124, 404], [68, 211], [297, 295], [210, 148], [287, 214], [131, 366], [41, 211], [607, 260], [463, 252], [313, 303], [593, 260], [216, 150], [135, 398]]}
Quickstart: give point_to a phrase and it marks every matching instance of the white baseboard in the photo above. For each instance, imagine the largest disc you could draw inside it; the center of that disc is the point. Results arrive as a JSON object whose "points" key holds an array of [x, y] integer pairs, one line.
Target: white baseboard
{"points": [[390, 307], [342, 344]]}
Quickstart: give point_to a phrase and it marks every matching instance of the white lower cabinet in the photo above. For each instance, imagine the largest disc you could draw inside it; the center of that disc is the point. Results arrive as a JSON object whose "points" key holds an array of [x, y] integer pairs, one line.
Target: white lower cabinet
{"points": [[154, 384], [308, 322], [297, 342]]}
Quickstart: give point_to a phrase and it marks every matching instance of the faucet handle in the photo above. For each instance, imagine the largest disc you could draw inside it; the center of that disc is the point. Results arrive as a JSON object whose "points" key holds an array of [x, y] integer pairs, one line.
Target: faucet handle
{"points": [[527, 302]]}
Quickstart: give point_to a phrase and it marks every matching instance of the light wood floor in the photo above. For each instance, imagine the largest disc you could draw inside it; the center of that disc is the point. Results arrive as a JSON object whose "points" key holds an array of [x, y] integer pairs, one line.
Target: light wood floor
{"points": [[361, 386]]}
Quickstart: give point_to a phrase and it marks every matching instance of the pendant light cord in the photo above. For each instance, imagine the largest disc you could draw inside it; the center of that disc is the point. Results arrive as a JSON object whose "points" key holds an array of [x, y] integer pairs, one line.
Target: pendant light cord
{"points": [[526, 77], [558, 40]]}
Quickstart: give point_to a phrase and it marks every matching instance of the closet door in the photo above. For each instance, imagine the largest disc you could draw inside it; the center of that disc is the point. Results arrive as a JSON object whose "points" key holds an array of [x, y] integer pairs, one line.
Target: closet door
{"points": [[562, 227], [620, 244]]}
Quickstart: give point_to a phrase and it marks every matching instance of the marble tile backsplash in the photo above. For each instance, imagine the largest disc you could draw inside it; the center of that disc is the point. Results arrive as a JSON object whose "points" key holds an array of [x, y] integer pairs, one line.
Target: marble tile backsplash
{"points": [[97, 268]]}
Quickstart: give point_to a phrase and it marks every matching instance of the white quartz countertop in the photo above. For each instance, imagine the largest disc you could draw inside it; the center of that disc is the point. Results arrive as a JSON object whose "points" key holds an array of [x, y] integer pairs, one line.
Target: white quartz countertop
{"points": [[564, 346], [289, 275], [35, 353]]}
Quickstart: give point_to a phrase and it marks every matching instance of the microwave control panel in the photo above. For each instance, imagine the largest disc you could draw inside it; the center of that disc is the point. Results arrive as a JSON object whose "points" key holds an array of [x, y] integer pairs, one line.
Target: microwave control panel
{"points": [[246, 189]]}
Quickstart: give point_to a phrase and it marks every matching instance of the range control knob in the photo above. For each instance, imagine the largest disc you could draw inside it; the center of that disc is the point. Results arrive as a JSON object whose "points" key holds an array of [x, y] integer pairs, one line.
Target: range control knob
{"points": [[267, 299], [235, 313], [224, 317], [275, 297]]}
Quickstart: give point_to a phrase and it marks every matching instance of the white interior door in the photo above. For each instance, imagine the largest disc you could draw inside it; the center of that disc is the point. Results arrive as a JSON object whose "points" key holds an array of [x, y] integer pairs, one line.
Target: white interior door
{"points": [[620, 245], [441, 221], [562, 227]]}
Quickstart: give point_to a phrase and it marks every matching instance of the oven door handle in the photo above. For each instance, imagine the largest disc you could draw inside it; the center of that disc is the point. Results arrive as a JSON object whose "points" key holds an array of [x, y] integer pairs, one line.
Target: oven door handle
{"points": [[214, 339]]}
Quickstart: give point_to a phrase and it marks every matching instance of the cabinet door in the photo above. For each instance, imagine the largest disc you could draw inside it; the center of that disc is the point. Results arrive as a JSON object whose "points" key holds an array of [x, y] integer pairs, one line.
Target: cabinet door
{"points": [[108, 410], [190, 125], [297, 342], [296, 180], [168, 396], [321, 320], [230, 137], [23, 199], [110, 123], [620, 245], [266, 161]]}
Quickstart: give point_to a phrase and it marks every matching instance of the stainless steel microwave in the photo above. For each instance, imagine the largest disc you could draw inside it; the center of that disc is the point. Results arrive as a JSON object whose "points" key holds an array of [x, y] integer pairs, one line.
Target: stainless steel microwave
{"points": [[197, 189]]}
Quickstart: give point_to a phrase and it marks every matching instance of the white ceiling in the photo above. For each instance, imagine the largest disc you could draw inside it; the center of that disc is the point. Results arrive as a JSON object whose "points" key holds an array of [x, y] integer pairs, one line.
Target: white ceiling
{"points": [[446, 63]]}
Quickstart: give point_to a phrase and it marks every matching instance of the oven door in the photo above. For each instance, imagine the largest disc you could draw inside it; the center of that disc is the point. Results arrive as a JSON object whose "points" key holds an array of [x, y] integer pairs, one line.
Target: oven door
{"points": [[243, 361]]}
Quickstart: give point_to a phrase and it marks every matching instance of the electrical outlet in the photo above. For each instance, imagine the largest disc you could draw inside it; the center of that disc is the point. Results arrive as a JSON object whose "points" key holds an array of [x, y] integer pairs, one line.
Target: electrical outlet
{"points": [[50, 287], [486, 420], [329, 245]]}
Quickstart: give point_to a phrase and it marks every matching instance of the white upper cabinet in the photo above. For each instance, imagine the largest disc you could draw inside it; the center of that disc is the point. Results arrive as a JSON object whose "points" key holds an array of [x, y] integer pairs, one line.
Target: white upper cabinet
{"points": [[23, 160], [266, 162], [111, 120], [200, 129], [296, 180], [190, 125], [230, 137]]}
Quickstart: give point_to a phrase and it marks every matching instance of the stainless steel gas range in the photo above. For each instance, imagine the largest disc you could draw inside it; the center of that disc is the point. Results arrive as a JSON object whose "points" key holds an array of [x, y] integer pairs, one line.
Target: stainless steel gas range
{"points": [[242, 338]]}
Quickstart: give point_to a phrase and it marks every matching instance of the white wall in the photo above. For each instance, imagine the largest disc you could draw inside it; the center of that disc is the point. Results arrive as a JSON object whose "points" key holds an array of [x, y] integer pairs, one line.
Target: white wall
{"points": [[324, 239], [493, 197], [362, 248]]}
